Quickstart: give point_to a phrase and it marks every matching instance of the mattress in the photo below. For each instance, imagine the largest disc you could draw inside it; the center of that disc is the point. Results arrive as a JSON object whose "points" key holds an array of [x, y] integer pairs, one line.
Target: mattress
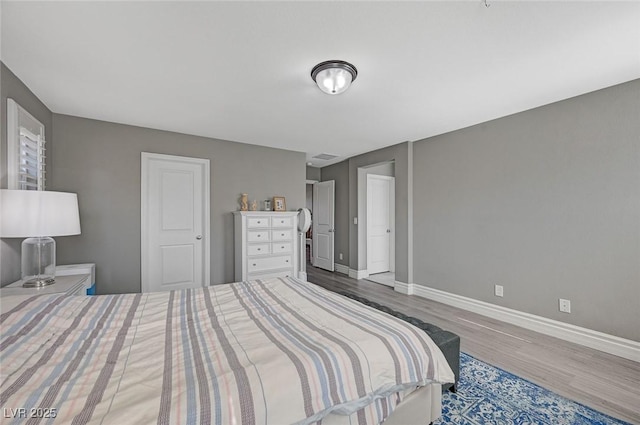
{"points": [[277, 351]]}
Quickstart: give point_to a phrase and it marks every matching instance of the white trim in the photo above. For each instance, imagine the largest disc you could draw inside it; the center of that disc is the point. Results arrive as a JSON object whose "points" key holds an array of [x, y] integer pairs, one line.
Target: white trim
{"points": [[20, 120], [403, 288], [13, 147], [410, 211], [144, 160], [358, 274], [340, 268], [611, 344]]}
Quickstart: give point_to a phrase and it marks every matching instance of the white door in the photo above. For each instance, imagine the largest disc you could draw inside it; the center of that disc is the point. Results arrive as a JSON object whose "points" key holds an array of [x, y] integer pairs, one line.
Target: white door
{"points": [[323, 222], [175, 222], [380, 218]]}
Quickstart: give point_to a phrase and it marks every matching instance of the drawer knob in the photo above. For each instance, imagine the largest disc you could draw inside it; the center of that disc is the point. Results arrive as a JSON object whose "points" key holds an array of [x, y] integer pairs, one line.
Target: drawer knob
{"points": [[254, 264], [258, 221], [281, 234], [259, 249], [282, 247], [286, 261], [259, 235]]}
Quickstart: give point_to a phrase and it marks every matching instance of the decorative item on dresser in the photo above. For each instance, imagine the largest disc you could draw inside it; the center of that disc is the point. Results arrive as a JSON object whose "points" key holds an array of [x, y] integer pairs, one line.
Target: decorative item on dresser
{"points": [[279, 203], [265, 244], [244, 202], [267, 205]]}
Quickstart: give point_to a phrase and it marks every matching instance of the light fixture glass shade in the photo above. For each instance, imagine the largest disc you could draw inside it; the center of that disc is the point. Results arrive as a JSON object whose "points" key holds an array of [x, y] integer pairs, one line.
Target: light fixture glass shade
{"points": [[38, 215], [333, 81], [334, 77]]}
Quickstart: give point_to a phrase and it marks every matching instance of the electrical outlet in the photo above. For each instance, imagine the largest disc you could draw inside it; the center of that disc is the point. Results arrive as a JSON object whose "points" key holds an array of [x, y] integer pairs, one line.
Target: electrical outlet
{"points": [[355, 220], [499, 291], [565, 305], [340, 256]]}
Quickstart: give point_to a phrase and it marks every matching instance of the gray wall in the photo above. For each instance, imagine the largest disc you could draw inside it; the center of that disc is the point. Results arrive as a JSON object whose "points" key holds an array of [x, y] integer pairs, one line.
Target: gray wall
{"points": [[313, 173], [545, 203], [101, 162], [309, 197], [12, 87], [340, 174]]}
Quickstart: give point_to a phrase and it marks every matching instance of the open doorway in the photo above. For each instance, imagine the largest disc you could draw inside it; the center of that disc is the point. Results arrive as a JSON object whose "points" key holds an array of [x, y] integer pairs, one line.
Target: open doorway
{"points": [[309, 235], [376, 209]]}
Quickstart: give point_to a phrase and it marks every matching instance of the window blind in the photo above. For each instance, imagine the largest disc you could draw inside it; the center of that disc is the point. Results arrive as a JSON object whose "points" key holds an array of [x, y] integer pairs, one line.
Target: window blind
{"points": [[31, 160]]}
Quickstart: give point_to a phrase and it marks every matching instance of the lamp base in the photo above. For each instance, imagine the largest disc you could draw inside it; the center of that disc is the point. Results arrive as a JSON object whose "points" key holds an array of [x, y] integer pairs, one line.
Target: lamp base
{"points": [[38, 283], [38, 262]]}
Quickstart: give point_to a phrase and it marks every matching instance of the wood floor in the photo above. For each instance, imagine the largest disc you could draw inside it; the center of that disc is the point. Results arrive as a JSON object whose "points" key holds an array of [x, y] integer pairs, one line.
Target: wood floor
{"points": [[602, 381]]}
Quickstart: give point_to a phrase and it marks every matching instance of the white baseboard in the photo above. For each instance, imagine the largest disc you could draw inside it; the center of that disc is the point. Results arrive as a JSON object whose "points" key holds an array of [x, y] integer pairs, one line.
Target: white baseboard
{"points": [[611, 344], [358, 274], [340, 268], [404, 288]]}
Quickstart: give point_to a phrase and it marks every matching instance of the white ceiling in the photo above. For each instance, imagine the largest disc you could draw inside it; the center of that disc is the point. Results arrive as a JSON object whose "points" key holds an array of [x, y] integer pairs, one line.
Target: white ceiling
{"points": [[239, 71]]}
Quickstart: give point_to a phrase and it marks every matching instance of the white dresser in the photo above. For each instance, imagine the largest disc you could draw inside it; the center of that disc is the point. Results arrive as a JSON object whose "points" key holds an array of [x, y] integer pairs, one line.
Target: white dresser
{"points": [[266, 244]]}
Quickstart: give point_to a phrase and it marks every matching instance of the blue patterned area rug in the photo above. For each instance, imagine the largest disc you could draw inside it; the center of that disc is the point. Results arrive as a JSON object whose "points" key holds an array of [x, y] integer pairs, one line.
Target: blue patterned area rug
{"points": [[488, 395]]}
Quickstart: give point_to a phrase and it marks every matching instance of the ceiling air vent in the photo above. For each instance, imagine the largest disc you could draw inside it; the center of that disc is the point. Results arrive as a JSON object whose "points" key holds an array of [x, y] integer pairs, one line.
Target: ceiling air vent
{"points": [[325, 156]]}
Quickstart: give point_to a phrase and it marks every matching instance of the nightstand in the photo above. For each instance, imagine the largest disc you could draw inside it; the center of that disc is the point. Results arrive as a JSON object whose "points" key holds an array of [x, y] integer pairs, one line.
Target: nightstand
{"points": [[87, 268], [76, 284]]}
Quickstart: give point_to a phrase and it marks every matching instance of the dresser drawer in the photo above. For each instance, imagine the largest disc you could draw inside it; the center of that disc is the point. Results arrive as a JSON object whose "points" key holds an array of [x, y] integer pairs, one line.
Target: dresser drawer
{"points": [[270, 275], [281, 247], [257, 236], [281, 221], [281, 235], [257, 222], [259, 249], [269, 263]]}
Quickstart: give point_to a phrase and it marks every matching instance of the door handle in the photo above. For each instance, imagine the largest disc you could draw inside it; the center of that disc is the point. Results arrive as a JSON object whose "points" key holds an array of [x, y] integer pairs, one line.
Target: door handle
{"points": [[199, 237]]}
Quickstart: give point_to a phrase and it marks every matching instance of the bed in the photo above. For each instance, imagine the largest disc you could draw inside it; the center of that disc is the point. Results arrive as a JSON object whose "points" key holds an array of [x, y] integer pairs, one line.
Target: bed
{"points": [[278, 351]]}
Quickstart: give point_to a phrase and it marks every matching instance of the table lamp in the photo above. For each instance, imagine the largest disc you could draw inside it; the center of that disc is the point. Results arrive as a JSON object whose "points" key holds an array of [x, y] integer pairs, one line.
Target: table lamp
{"points": [[37, 215]]}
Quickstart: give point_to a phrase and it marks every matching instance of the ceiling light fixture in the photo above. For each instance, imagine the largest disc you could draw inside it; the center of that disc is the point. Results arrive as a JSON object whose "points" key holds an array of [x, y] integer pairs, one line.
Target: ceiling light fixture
{"points": [[334, 77]]}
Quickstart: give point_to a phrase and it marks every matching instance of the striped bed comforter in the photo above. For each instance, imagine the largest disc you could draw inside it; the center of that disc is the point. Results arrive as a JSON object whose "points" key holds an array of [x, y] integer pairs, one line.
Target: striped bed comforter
{"points": [[277, 351]]}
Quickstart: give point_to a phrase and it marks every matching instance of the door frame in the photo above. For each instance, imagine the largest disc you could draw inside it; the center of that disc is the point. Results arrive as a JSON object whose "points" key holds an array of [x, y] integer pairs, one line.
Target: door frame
{"points": [[392, 217], [145, 158], [360, 220], [311, 182]]}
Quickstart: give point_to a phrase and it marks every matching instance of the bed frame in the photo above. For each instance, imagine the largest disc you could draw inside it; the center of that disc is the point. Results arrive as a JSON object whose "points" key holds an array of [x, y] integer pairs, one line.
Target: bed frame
{"points": [[423, 406]]}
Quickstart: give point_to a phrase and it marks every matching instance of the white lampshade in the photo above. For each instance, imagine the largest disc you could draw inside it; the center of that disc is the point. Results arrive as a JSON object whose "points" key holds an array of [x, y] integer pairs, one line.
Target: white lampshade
{"points": [[30, 213], [37, 215]]}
